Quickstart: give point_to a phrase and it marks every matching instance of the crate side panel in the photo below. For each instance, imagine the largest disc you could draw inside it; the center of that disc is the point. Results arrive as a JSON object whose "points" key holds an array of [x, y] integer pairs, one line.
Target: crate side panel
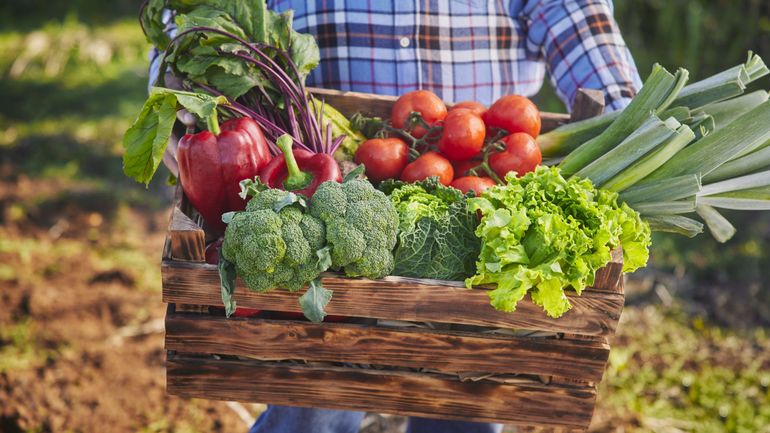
{"points": [[593, 313], [363, 344], [400, 393]]}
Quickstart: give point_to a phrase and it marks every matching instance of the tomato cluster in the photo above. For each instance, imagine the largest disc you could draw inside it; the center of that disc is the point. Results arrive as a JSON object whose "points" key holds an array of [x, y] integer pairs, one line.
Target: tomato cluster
{"points": [[468, 146]]}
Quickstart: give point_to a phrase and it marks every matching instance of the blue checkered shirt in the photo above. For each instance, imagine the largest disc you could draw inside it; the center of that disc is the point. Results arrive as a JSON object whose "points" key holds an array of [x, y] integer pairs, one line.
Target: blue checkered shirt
{"points": [[468, 49]]}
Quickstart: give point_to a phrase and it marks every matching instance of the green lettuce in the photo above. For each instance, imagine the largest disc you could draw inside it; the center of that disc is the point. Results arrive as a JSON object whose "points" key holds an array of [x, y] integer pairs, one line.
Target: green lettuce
{"points": [[542, 234], [436, 231]]}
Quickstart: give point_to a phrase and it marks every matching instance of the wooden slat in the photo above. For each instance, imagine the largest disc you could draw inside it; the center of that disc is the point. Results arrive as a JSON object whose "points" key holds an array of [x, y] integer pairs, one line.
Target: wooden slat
{"points": [[187, 238], [588, 103], [364, 344], [593, 313], [400, 393], [349, 103]]}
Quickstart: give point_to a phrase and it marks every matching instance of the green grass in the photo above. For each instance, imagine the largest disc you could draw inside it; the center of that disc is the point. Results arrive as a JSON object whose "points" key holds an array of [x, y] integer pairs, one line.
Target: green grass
{"points": [[669, 373]]}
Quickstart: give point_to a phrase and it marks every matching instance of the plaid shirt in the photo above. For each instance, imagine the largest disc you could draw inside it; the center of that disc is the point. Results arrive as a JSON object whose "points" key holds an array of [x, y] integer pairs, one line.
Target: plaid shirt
{"points": [[468, 49]]}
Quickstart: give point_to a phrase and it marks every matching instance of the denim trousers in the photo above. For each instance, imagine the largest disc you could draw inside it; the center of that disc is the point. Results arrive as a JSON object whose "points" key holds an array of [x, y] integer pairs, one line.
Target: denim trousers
{"points": [[284, 419]]}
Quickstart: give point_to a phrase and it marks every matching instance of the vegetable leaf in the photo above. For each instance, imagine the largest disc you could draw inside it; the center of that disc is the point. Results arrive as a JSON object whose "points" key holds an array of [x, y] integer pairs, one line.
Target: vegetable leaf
{"points": [[146, 139], [227, 284], [436, 231], [315, 300], [542, 234]]}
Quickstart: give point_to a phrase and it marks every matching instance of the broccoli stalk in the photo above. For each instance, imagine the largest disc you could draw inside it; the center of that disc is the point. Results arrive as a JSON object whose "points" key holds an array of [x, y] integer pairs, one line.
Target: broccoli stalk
{"points": [[297, 179]]}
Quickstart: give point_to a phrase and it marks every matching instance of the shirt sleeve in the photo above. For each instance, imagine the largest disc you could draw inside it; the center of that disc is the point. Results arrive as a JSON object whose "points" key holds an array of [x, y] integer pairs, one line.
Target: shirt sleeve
{"points": [[581, 45]]}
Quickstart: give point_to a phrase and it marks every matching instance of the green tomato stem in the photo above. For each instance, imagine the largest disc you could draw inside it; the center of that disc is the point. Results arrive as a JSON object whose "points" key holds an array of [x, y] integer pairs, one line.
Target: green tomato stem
{"points": [[297, 179]]}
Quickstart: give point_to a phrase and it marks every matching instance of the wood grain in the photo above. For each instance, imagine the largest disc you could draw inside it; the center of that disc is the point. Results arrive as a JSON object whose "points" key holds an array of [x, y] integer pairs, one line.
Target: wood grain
{"points": [[371, 104], [187, 238], [588, 103], [593, 313], [401, 393], [362, 344]]}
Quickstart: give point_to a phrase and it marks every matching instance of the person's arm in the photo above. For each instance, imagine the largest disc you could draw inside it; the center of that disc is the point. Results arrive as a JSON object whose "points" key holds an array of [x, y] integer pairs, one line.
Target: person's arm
{"points": [[581, 45]]}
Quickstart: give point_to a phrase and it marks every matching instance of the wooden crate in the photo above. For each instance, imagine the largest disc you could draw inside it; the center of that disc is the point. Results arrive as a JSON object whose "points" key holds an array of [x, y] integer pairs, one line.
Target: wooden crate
{"points": [[458, 369]]}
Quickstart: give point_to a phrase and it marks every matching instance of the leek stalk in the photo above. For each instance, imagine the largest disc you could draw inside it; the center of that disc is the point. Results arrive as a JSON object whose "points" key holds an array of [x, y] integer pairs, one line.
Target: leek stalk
{"points": [[663, 190], [658, 92], [650, 135], [747, 132], [646, 165]]}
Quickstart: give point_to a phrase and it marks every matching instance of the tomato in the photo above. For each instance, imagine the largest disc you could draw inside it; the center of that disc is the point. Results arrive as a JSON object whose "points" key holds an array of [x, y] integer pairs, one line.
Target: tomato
{"points": [[476, 107], [472, 183], [514, 113], [424, 102], [461, 167], [384, 158], [521, 155], [428, 165], [463, 135]]}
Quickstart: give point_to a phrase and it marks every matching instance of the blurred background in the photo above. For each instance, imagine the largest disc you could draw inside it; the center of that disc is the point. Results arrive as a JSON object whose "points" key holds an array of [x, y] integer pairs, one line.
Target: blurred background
{"points": [[81, 319]]}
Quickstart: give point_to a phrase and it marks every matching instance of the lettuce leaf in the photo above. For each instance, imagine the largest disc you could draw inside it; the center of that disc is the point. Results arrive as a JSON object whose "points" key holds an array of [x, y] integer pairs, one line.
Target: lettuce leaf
{"points": [[436, 231], [542, 234]]}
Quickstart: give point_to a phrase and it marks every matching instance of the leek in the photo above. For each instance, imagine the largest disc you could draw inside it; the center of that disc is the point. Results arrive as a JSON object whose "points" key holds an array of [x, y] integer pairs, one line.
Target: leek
{"points": [[640, 169], [569, 136], [747, 132], [756, 180], [657, 93], [718, 225], [666, 207], [675, 224], [650, 135], [726, 111], [746, 164], [663, 190], [723, 85]]}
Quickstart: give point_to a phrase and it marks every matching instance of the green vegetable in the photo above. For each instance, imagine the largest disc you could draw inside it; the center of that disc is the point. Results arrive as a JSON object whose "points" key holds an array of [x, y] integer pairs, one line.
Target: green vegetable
{"points": [[211, 59], [542, 234], [436, 231], [274, 243], [655, 96], [361, 227]]}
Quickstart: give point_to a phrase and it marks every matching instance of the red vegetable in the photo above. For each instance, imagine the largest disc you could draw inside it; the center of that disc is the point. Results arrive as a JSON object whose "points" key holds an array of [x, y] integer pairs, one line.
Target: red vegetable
{"points": [[472, 183], [299, 170], [425, 102], [211, 165], [384, 158], [461, 167], [521, 155], [463, 135], [514, 113], [476, 107], [428, 165]]}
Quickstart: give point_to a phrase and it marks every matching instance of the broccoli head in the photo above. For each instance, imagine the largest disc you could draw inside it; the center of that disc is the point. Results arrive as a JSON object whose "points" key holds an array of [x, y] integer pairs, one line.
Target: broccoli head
{"points": [[274, 249], [361, 227]]}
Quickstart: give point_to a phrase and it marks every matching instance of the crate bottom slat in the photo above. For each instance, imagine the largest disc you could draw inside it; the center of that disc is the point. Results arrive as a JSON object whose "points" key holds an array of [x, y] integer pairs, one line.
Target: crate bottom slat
{"points": [[451, 351], [394, 392]]}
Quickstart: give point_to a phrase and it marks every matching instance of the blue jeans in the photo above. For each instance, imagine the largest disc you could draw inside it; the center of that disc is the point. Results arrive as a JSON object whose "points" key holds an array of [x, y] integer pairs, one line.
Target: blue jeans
{"points": [[284, 419]]}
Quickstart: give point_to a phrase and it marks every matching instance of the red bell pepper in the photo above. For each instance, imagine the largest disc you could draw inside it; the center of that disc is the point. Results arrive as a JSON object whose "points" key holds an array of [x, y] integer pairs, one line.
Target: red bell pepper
{"points": [[299, 170], [212, 164]]}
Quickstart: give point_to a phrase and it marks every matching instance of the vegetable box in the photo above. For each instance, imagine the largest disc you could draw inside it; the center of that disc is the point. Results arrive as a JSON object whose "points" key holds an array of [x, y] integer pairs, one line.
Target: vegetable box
{"points": [[403, 346]]}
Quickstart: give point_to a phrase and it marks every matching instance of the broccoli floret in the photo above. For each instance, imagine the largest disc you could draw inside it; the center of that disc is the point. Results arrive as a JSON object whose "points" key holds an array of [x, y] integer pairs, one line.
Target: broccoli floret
{"points": [[274, 249], [361, 227]]}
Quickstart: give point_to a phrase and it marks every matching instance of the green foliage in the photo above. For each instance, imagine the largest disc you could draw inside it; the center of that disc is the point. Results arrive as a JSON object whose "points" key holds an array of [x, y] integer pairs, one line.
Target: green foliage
{"points": [[542, 234], [670, 372], [436, 231], [361, 227]]}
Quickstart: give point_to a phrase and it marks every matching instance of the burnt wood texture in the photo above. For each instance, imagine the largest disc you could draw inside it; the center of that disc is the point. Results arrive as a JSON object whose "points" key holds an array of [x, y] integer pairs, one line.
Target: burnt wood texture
{"points": [[526, 381]]}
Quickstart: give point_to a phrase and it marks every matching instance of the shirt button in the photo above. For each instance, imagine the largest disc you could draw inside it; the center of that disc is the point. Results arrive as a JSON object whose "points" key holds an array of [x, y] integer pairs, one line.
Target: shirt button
{"points": [[404, 42]]}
